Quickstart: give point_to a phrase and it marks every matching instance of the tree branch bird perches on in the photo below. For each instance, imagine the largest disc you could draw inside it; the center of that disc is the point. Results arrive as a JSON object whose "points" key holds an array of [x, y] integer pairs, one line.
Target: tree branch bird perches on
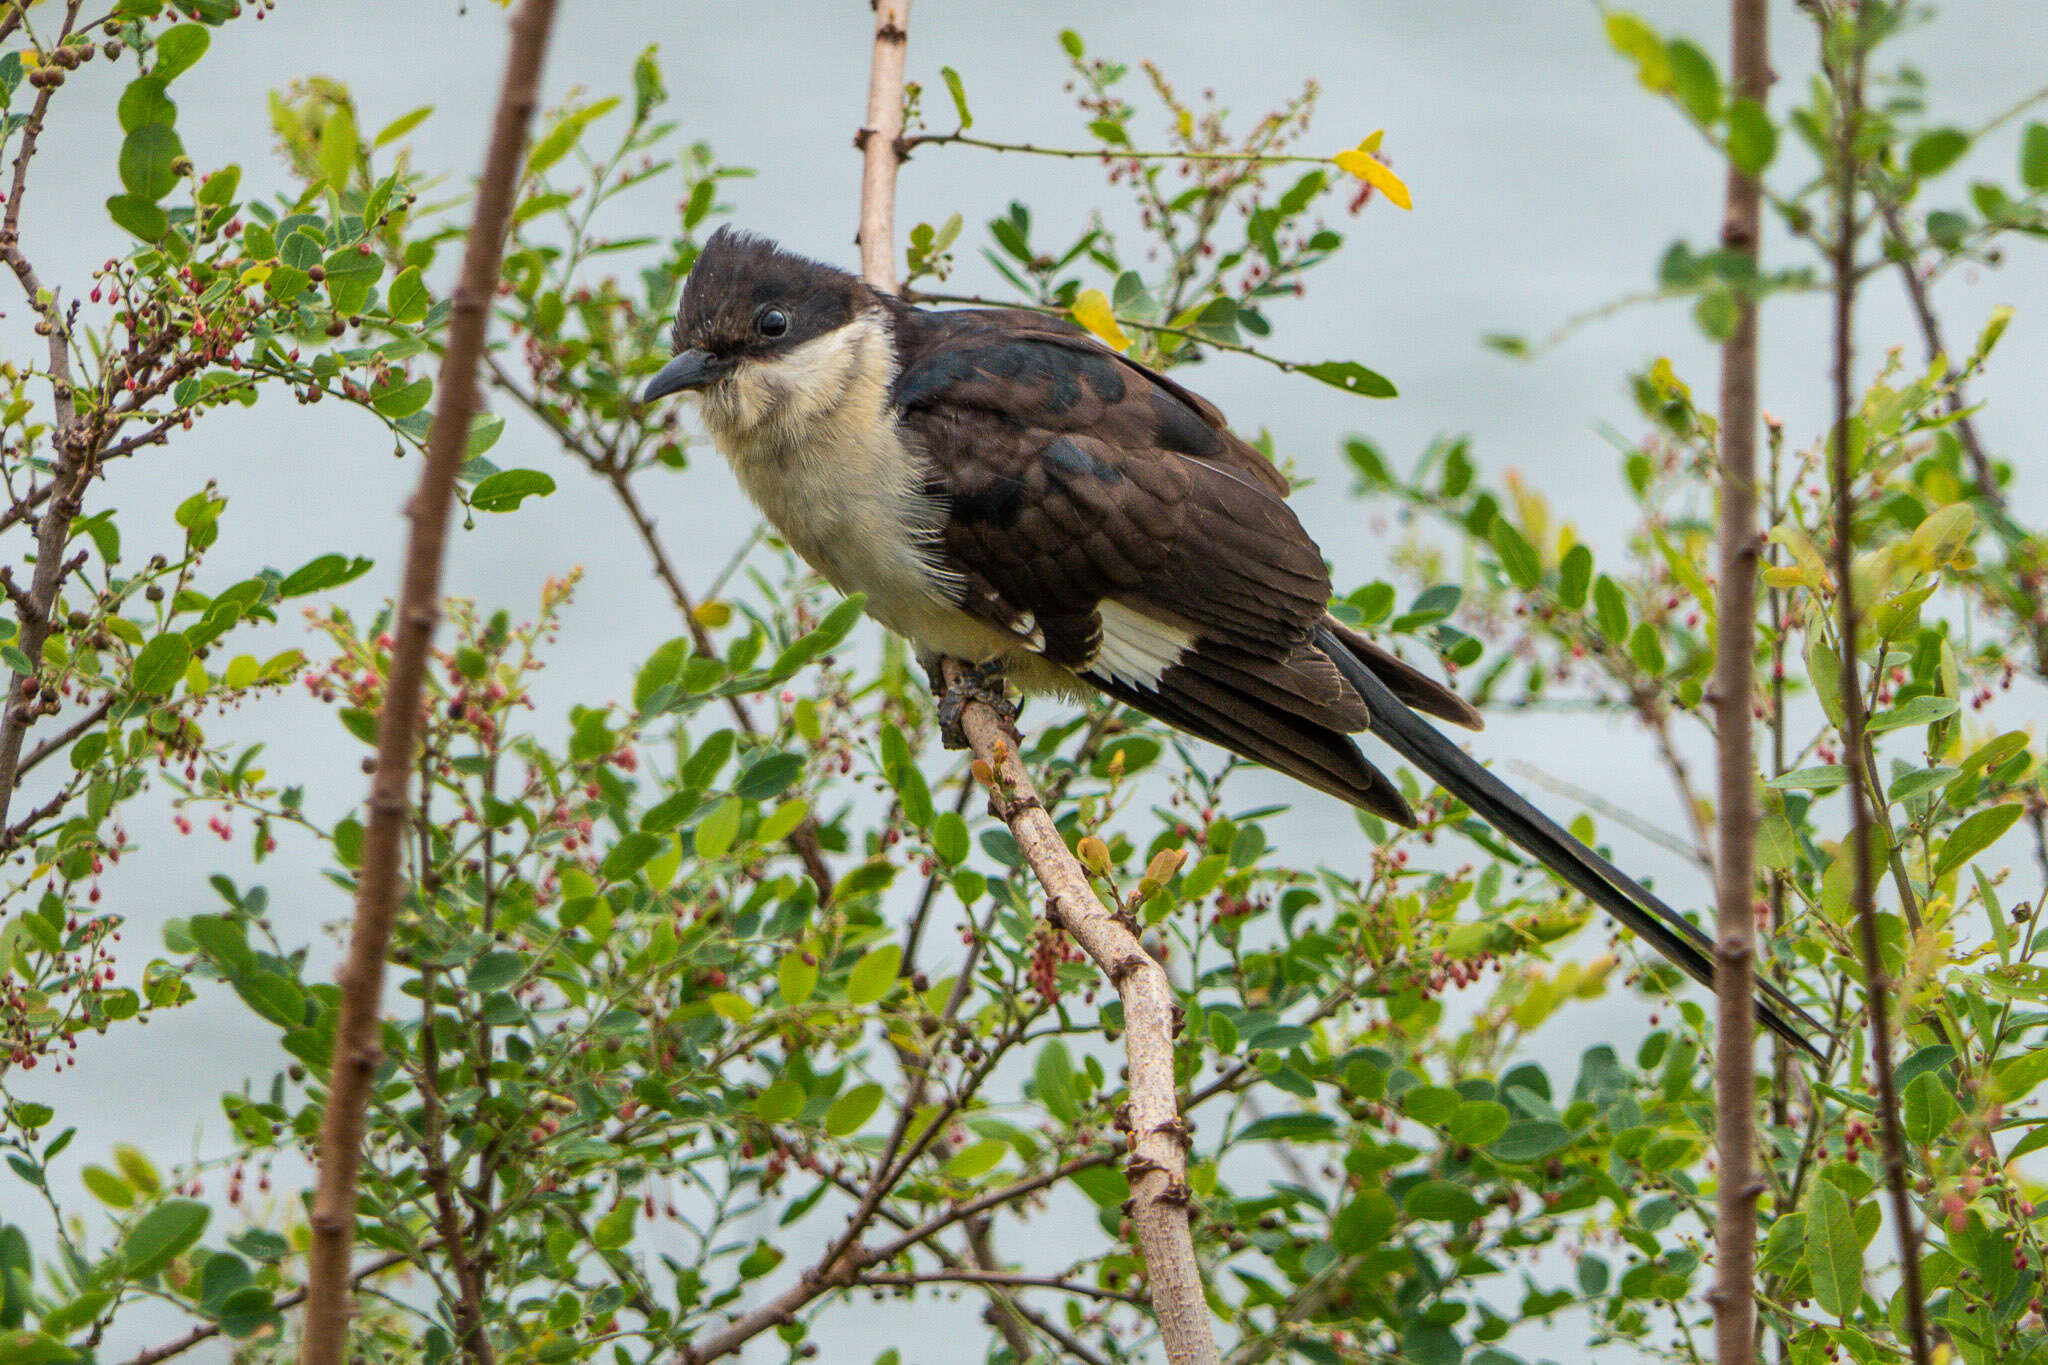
{"points": [[1010, 492]]}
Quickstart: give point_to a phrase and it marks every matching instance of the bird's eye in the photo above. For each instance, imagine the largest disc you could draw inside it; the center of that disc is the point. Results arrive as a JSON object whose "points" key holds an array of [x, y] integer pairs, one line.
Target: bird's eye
{"points": [[773, 322]]}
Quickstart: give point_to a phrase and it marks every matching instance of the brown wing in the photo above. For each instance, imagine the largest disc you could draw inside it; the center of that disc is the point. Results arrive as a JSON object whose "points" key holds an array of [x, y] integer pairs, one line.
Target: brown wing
{"points": [[1096, 510]]}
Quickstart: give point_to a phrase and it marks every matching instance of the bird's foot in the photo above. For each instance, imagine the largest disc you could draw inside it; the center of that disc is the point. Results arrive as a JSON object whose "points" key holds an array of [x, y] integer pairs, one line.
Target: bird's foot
{"points": [[977, 683]]}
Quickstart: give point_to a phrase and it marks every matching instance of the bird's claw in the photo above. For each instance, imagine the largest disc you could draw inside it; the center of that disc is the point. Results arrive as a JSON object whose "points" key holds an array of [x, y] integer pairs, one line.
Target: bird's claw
{"points": [[980, 683]]}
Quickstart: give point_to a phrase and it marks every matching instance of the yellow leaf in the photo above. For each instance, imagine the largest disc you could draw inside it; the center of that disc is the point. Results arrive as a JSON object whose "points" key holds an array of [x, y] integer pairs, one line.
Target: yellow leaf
{"points": [[1092, 311], [1373, 140], [714, 614], [1360, 162]]}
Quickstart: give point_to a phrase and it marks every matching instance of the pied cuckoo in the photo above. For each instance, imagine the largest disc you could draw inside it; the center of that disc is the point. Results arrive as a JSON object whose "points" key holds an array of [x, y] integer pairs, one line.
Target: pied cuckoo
{"points": [[1010, 492]]}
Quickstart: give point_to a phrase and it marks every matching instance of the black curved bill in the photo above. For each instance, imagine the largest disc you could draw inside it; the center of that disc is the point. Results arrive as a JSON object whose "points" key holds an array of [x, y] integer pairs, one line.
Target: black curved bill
{"points": [[689, 370]]}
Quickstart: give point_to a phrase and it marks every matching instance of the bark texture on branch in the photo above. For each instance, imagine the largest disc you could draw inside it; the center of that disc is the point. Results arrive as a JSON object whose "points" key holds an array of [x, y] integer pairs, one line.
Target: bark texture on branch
{"points": [[1157, 1168], [1158, 1136], [356, 1055], [1734, 1293], [881, 145], [1842, 45]]}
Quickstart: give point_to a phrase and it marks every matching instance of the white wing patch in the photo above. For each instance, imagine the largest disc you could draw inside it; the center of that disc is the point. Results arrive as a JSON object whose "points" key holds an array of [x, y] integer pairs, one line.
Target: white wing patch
{"points": [[1135, 648]]}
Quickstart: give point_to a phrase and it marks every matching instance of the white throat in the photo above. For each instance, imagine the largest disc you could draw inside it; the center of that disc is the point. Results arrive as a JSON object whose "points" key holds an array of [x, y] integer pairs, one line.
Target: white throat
{"points": [[811, 435]]}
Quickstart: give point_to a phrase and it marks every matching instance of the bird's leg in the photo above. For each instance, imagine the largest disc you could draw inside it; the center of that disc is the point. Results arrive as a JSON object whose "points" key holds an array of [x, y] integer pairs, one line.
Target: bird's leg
{"points": [[981, 682]]}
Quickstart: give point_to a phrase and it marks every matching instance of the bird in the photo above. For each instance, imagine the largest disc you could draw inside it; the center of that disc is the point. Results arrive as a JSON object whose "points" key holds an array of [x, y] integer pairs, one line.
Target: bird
{"points": [[1008, 491]]}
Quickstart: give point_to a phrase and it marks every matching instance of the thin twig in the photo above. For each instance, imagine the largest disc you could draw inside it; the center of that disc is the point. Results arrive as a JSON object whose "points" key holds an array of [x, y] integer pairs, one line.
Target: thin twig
{"points": [[1849, 100], [362, 977], [1737, 1187], [847, 1269], [1006, 1279]]}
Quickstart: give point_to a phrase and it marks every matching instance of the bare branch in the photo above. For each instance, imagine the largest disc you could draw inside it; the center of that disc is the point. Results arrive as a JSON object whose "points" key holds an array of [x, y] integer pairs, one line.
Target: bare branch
{"points": [[881, 145], [1158, 1135], [1734, 1292], [362, 976], [74, 463], [1848, 86]]}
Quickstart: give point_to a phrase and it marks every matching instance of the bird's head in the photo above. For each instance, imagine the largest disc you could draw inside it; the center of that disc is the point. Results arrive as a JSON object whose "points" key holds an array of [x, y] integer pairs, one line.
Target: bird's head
{"points": [[752, 311]]}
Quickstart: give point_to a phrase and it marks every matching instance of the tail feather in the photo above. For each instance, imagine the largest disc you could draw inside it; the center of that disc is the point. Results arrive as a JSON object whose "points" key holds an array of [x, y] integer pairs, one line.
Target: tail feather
{"points": [[1600, 881]]}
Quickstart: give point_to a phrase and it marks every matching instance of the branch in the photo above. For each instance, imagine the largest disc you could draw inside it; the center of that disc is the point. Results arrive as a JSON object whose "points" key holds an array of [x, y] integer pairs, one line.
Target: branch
{"points": [[1737, 1187], [1849, 99], [74, 462], [1003, 1279], [208, 1330], [846, 1270], [881, 145], [362, 975], [1158, 1136]]}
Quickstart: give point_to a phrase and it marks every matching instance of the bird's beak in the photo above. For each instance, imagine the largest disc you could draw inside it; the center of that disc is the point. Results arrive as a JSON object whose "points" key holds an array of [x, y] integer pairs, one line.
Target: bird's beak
{"points": [[689, 370]]}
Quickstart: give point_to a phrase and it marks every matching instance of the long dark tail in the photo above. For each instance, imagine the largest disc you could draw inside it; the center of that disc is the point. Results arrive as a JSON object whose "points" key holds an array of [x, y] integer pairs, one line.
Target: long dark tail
{"points": [[1606, 885]]}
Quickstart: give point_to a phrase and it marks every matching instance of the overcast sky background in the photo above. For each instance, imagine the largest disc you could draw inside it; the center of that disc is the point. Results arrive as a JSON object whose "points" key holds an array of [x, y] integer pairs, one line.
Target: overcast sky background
{"points": [[1545, 182]]}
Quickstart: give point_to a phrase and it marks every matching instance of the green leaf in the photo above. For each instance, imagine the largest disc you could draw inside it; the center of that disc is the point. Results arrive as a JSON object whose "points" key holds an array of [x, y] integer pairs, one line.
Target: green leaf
{"points": [[1936, 150], [959, 94], [1610, 609], [34, 1348], [146, 157], [145, 102], [852, 1109], [495, 971], [949, 839], [338, 148], [137, 216], [1529, 1140], [780, 1102], [1517, 555], [402, 398], [768, 776], [1351, 377], [351, 272], [1822, 778], [2034, 156], [1442, 1201], [328, 571], [1752, 140], [1637, 41], [1975, 834], [1052, 1078], [556, 142], [407, 300], [1574, 576], [1290, 1128], [506, 489], [796, 978], [178, 49], [1477, 1122], [161, 663], [1694, 80], [1834, 1253], [107, 1187], [631, 853], [978, 1159], [1922, 710], [401, 125], [718, 829], [160, 1235], [874, 975], [1930, 1109], [1431, 1104], [1647, 649], [2018, 1077]]}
